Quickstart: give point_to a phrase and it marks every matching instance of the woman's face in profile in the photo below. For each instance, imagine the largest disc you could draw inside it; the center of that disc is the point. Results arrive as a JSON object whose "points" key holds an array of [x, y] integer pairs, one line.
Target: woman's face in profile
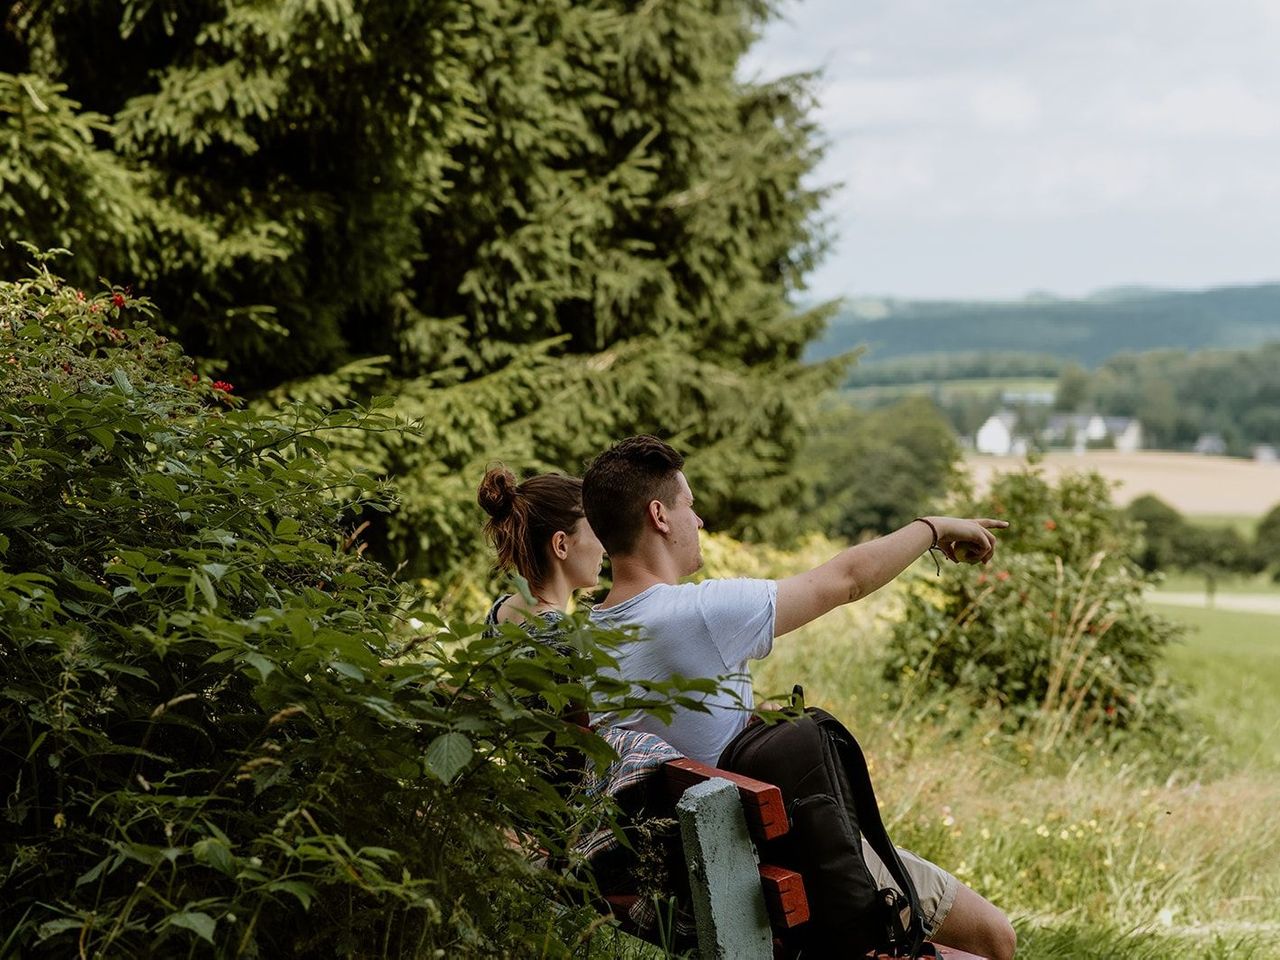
{"points": [[586, 555]]}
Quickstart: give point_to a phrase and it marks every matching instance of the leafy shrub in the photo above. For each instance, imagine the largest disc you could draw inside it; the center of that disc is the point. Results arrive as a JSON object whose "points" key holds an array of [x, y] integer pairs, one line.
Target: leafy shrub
{"points": [[218, 740], [1163, 531], [1055, 631], [1170, 542], [1267, 541]]}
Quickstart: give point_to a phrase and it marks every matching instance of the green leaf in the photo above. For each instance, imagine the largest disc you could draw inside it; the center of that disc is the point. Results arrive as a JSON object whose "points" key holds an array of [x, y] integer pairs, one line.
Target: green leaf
{"points": [[122, 381], [35, 744], [54, 927], [303, 891], [142, 852], [259, 662], [348, 670], [105, 437], [448, 754], [93, 872], [215, 852], [201, 924], [202, 581]]}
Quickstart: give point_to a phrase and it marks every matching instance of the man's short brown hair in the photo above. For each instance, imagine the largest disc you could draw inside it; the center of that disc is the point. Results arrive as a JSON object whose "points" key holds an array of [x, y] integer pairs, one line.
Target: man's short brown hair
{"points": [[620, 484]]}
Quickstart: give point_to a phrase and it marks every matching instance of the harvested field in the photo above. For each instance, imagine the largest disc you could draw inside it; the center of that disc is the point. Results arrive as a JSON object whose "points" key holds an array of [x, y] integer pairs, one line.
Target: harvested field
{"points": [[1191, 484]]}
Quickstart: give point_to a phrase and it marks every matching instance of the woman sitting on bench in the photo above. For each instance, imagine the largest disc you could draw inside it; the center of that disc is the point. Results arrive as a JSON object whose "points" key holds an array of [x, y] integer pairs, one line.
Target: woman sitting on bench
{"points": [[538, 530]]}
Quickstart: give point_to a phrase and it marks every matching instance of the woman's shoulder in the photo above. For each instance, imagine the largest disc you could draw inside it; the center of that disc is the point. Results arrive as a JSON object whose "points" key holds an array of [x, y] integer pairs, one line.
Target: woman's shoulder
{"points": [[491, 618], [502, 612]]}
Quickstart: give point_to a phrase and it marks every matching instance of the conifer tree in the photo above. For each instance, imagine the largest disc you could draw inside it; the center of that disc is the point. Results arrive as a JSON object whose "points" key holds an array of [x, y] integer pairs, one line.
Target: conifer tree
{"points": [[539, 226]]}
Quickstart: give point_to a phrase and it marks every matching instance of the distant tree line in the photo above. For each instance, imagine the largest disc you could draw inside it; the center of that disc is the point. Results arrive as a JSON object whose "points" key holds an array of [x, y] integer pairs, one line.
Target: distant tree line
{"points": [[1180, 396], [1173, 543], [934, 367]]}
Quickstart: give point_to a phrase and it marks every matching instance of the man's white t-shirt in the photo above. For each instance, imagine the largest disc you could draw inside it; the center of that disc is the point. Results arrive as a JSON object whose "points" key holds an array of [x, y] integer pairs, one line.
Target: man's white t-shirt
{"points": [[697, 630]]}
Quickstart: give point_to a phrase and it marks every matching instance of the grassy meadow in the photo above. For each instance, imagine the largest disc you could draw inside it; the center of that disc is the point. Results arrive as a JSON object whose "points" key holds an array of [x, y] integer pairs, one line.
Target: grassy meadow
{"points": [[1137, 850]]}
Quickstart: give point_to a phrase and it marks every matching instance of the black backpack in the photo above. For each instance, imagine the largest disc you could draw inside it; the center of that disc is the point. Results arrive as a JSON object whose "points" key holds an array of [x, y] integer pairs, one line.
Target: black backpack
{"points": [[822, 773]]}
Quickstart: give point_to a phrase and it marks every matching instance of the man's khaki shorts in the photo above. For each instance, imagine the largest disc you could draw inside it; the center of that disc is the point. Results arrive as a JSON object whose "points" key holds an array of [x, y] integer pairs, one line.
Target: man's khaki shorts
{"points": [[934, 886]]}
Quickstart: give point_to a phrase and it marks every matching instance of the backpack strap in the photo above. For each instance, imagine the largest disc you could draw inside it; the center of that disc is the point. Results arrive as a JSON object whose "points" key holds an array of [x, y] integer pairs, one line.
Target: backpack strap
{"points": [[872, 826]]}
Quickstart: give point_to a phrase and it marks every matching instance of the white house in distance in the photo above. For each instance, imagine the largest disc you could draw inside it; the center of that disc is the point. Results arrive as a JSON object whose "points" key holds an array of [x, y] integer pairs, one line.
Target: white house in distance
{"points": [[998, 435], [1080, 430]]}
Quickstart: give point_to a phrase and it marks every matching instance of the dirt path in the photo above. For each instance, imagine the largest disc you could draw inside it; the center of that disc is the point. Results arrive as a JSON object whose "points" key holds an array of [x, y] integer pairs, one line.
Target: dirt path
{"points": [[1243, 602]]}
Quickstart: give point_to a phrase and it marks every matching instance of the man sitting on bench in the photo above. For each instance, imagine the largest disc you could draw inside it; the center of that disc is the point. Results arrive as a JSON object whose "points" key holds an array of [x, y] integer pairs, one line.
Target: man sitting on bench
{"points": [[639, 504]]}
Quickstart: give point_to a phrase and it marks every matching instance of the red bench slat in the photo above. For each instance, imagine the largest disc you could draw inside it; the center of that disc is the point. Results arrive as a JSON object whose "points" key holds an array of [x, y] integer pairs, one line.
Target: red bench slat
{"points": [[761, 802], [784, 896]]}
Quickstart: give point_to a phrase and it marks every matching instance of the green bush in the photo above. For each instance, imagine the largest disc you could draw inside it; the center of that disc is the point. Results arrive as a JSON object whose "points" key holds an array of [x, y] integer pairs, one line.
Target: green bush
{"points": [[1170, 542], [1055, 631], [1163, 532], [217, 739], [1267, 541]]}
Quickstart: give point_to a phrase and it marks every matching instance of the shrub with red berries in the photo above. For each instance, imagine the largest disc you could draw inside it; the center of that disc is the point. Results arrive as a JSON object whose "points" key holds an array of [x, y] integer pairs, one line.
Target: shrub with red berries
{"points": [[1059, 635], [214, 743]]}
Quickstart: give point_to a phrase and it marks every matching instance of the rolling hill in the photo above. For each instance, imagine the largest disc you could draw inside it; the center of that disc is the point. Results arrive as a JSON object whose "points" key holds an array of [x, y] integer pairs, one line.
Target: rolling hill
{"points": [[1088, 330]]}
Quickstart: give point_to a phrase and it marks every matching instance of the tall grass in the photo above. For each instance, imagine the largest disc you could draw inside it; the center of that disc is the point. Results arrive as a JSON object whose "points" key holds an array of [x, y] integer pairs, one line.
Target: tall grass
{"points": [[1096, 849]]}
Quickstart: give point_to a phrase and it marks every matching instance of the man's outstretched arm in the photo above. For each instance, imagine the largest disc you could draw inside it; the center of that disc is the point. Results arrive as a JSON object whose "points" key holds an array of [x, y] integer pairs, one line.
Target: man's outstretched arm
{"points": [[858, 571]]}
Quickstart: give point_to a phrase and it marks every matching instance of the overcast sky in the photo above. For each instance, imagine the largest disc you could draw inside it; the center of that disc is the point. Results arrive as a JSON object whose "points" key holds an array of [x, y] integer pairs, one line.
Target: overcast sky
{"points": [[988, 148]]}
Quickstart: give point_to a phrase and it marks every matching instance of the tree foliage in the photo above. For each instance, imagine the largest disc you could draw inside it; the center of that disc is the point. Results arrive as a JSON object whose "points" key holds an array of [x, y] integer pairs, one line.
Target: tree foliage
{"points": [[1179, 396], [1268, 541], [1171, 542], [222, 734], [875, 470], [576, 209], [1163, 532], [954, 365]]}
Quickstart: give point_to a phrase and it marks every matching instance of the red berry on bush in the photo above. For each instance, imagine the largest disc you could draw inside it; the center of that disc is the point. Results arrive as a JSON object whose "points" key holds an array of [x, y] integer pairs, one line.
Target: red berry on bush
{"points": [[222, 386], [117, 299]]}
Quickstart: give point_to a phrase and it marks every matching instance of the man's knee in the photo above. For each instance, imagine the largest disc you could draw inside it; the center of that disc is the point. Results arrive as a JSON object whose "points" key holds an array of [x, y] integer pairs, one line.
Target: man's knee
{"points": [[1003, 940], [976, 925]]}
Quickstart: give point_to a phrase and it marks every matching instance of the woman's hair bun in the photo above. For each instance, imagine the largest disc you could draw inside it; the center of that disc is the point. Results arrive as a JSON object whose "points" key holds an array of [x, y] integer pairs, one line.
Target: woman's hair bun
{"points": [[497, 494]]}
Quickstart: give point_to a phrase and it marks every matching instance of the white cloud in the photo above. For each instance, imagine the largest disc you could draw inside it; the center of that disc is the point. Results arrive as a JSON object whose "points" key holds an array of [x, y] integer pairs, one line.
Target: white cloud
{"points": [[851, 104], [1000, 117], [1217, 107], [1004, 103]]}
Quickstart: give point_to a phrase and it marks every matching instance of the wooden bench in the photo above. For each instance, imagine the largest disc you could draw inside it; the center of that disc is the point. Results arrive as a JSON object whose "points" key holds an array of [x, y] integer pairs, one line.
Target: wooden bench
{"points": [[742, 908]]}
